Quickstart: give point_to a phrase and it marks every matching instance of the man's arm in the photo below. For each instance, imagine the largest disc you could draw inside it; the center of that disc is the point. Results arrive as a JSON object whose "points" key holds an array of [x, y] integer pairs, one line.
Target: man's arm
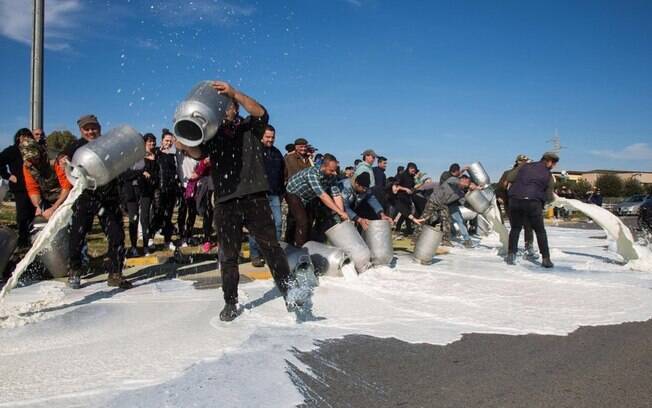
{"points": [[249, 104], [330, 203]]}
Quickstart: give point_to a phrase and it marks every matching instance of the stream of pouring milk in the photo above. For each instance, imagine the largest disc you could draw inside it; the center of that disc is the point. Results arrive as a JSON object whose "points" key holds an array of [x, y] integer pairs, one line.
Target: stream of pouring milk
{"points": [[612, 225], [59, 220]]}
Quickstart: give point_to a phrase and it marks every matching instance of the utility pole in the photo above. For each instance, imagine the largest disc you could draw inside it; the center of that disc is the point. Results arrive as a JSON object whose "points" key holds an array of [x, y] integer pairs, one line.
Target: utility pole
{"points": [[36, 96]]}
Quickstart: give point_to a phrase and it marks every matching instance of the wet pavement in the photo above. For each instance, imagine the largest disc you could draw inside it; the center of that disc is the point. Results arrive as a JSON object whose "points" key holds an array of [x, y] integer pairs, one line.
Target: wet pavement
{"points": [[604, 366]]}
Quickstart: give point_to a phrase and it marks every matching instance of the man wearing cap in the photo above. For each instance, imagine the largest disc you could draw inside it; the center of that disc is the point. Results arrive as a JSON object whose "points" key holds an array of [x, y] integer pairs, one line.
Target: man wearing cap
{"points": [[297, 160], [356, 192], [366, 166], [241, 186], [503, 199], [309, 186], [103, 202], [530, 188], [46, 184]]}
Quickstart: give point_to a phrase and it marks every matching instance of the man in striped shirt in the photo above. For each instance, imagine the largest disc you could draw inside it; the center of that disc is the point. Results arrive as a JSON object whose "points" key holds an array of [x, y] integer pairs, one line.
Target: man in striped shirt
{"points": [[308, 185]]}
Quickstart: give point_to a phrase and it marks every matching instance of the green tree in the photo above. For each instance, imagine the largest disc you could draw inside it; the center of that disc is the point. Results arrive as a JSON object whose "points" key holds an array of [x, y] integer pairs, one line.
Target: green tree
{"points": [[610, 185], [632, 187], [582, 187], [58, 140]]}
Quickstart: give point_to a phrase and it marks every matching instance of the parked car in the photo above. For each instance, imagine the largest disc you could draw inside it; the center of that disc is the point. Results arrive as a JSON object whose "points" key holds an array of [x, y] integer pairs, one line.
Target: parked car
{"points": [[631, 205], [645, 216]]}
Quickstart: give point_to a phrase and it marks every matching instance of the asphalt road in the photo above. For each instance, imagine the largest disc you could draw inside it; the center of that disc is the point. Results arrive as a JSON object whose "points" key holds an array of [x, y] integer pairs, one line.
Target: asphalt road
{"points": [[605, 366]]}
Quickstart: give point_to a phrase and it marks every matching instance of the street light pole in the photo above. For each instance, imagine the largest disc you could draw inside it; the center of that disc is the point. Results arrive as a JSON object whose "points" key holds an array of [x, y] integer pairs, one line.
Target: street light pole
{"points": [[36, 96]]}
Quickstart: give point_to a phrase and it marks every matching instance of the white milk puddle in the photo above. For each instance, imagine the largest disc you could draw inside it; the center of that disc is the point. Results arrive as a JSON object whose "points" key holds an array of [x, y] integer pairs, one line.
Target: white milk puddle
{"points": [[161, 343]]}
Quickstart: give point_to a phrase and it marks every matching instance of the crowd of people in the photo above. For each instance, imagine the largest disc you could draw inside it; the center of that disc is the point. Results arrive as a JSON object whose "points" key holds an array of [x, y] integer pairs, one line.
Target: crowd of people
{"points": [[238, 182]]}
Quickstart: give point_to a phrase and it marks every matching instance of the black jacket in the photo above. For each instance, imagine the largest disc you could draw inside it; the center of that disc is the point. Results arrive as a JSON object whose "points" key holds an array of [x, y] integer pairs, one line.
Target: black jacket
{"points": [[275, 170], [168, 179], [11, 157]]}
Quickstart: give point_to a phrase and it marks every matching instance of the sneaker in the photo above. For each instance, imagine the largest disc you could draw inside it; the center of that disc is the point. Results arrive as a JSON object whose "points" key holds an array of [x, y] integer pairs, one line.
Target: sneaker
{"points": [[531, 253], [229, 312], [546, 263], [171, 246], [257, 262], [118, 281], [184, 244], [511, 259], [150, 244], [74, 280], [206, 247]]}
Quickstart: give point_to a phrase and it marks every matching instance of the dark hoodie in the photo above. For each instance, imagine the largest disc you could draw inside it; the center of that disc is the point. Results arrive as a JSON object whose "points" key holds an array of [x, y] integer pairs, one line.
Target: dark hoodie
{"points": [[11, 157]]}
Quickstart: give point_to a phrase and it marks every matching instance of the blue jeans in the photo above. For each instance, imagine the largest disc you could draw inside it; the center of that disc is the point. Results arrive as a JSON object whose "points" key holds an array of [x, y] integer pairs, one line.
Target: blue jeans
{"points": [[275, 205], [456, 216]]}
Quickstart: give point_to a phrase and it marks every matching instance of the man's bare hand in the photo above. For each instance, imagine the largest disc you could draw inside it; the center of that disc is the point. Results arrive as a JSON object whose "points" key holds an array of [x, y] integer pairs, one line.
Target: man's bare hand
{"points": [[146, 175], [386, 218], [418, 221], [363, 222], [13, 179], [48, 213], [224, 88], [344, 216]]}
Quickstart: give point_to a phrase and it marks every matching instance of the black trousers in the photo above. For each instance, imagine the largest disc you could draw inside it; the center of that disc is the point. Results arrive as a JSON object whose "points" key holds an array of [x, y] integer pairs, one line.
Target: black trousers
{"points": [[404, 207], [87, 206], [527, 228], [163, 209], [253, 212], [146, 215], [24, 216], [521, 213], [186, 217], [133, 216]]}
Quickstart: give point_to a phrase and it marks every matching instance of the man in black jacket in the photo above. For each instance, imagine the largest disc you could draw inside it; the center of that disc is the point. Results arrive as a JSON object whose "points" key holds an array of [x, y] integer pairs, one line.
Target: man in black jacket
{"points": [[531, 187], [11, 157], [103, 202], [275, 170], [241, 188]]}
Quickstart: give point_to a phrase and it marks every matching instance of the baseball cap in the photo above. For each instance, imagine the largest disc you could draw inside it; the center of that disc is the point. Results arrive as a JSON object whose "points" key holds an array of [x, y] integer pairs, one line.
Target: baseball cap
{"points": [[522, 157], [369, 152], [87, 120], [550, 156]]}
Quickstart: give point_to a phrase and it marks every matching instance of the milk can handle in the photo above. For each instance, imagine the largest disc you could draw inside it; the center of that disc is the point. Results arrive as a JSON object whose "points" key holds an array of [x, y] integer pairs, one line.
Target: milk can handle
{"points": [[196, 115]]}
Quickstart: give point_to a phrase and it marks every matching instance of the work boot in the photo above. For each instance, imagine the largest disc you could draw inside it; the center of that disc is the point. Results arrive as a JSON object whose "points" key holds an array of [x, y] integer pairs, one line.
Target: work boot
{"points": [[257, 261], [546, 263], [74, 279], [511, 259], [118, 281], [229, 312], [468, 243]]}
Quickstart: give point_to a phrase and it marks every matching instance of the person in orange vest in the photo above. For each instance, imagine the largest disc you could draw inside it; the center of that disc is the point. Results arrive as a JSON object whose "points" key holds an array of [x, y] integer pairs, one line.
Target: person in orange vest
{"points": [[45, 181]]}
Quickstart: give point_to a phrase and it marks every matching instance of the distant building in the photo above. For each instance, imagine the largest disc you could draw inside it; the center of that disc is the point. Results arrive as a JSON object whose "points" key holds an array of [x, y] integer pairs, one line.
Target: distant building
{"points": [[644, 177]]}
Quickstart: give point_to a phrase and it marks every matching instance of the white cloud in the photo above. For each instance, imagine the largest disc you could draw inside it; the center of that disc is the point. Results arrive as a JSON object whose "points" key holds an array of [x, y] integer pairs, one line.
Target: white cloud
{"points": [[16, 21], [636, 151]]}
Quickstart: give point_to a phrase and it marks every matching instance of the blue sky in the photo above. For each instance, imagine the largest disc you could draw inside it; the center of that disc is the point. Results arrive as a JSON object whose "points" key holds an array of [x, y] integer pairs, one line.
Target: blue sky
{"points": [[431, 82]]}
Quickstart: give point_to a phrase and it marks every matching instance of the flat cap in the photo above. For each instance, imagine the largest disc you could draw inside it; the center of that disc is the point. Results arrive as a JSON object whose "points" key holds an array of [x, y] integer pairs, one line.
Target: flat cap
{"points": [[87, 120], [300, 141], [550, 156]]}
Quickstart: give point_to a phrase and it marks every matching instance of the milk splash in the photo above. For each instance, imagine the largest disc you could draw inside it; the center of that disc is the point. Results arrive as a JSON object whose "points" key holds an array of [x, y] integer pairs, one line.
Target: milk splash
{"points": [[613, 226], [59, 220]]}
